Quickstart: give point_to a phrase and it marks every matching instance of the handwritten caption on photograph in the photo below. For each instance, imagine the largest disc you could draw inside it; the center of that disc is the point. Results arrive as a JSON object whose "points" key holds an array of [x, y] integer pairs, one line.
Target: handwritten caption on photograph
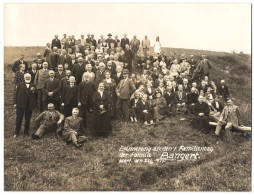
{"points": [[150, 155]]}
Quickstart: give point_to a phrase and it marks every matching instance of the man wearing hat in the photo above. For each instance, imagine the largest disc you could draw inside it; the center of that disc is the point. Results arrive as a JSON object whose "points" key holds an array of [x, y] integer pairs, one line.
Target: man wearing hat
{"points": [[230, 117], [124, 91], [39, 59], [16, 64], [109, 40]]}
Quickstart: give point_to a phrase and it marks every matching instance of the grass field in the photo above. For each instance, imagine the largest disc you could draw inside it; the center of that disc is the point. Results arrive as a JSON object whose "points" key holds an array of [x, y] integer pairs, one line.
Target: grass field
{"points": [[51, 165]]}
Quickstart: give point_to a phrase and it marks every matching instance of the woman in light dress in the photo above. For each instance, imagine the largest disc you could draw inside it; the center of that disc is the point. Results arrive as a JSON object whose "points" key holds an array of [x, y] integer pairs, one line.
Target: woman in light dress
{"points": [[157, 46]]}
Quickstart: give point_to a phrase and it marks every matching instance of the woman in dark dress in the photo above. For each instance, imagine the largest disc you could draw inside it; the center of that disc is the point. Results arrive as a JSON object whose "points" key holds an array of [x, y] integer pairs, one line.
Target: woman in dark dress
{"points": [[201, 112], [110, 88], [101, 125], [143, 110]]}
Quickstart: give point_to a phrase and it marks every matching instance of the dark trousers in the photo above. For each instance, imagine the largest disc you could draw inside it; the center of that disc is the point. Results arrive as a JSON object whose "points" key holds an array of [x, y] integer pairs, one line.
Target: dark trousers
{"points": [[40, 104], [122, 109], [20, 114], [84, 109]]}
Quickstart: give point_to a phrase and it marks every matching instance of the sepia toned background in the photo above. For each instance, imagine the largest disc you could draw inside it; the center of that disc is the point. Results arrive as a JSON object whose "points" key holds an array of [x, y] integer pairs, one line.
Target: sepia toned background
{"points": [[217, 27]]}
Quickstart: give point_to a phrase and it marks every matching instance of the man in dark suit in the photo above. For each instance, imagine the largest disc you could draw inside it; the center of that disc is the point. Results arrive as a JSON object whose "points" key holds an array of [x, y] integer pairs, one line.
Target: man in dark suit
{"points": [[16, 64], [68, 44], [181, 100], [111, 67], [93, 41], [89, 61], [203, 86], [192, 98], [39, 58], [124, 91], [24, 104], [53, 59], [59, 74], [56, 43], [118, 76], [78, 70], [100, 74], [171, 101], [223, 90], [69, 97], [39, 63], [128, 56], [33, 72], [186, 86], [50, 91], [65, 81], [116, 40], [86, 90], [109, 40], [193, 64], [72, 62], [64, 58], [124, 41], [49, 120]]}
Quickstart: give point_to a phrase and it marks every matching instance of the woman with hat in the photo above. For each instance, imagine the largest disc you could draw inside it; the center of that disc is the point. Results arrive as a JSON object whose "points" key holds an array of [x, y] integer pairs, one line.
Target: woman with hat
{"points": [[110, 87], [159, 106], [101, 125]]}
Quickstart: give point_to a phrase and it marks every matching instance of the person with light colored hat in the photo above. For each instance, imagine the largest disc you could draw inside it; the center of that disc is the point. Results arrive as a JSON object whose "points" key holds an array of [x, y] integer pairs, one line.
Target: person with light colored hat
{"points": [[230, 117], [16, 64], [124, 91]]}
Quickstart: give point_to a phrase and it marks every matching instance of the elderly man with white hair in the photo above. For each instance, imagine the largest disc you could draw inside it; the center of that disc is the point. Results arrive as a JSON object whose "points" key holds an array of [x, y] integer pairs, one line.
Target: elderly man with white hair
{"points": [[50, 91], [24, 103], [74, 129], [86, 90], [53, 58], [69, 96], [223, 90]]}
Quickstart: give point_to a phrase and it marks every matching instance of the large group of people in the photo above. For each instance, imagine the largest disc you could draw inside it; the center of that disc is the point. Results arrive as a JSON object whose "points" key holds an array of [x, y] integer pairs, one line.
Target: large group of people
{"points": [[114, 79]]}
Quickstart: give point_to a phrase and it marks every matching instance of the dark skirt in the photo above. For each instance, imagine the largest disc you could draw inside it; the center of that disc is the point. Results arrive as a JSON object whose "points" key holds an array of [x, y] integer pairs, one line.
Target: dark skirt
{"points": [[132, 113], [101, 123], [200, 123]]}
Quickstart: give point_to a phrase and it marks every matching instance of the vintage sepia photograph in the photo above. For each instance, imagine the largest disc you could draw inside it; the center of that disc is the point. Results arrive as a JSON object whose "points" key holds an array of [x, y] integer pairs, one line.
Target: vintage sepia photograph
{"points": [[127, 97]]}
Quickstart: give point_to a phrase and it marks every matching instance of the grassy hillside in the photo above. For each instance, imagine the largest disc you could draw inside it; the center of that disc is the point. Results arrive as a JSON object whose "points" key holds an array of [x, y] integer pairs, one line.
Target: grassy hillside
{"points": [[49, 164]]}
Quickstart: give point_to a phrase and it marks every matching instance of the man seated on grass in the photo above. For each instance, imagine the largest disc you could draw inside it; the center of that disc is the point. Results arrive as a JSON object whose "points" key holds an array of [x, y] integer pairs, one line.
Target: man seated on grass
{"points": [[74, 129], [49, 120]]}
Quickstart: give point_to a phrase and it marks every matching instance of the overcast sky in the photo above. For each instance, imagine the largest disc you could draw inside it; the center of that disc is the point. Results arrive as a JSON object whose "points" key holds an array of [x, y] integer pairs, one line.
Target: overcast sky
{"points": [[218, 27]]}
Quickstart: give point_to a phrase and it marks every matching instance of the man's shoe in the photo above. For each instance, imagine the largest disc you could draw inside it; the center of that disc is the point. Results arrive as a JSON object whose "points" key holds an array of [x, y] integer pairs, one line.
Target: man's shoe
{"points": [[77, 145]]}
